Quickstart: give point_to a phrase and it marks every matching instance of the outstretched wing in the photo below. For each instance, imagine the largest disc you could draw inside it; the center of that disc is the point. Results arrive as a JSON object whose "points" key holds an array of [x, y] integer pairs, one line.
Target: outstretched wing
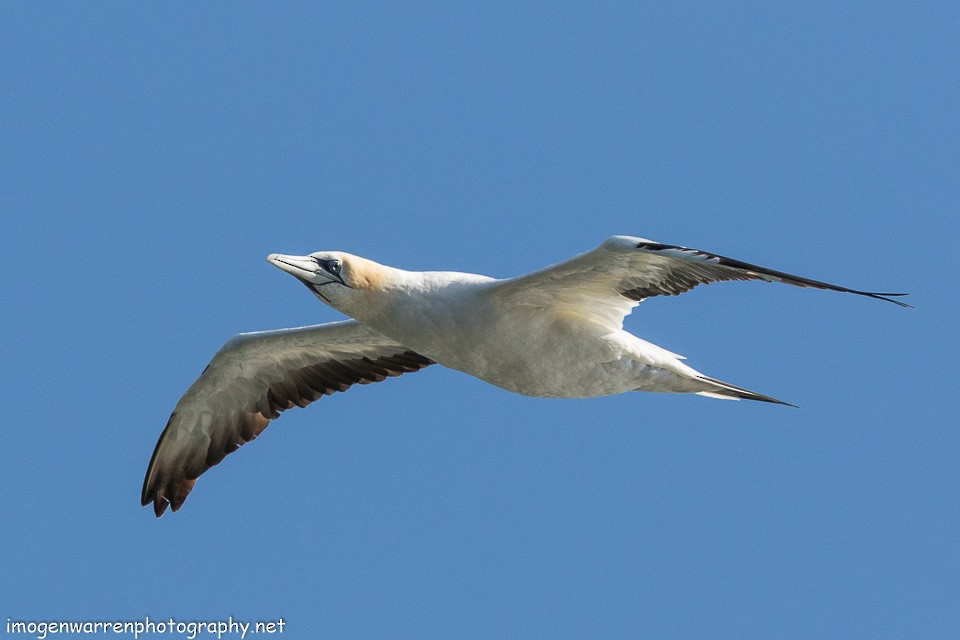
{"points": [[610, 280], [253, 378]]}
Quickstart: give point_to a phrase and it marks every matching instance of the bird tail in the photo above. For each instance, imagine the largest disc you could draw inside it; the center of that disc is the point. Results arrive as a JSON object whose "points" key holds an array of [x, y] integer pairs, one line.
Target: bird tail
{"points": [[727, 391]]}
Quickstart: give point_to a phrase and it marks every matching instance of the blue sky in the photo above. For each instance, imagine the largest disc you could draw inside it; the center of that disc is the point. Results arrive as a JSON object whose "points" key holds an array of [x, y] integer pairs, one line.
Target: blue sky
{"points": [[151, 156]]}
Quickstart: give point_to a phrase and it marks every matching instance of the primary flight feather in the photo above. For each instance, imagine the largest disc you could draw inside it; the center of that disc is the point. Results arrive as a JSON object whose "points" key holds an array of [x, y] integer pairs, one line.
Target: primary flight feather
{"points": [[556, 333]]}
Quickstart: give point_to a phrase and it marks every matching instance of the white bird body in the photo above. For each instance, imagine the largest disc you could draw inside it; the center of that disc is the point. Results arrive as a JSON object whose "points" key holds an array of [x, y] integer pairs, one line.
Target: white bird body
{"points": [[554, 333], [460, 321], [468, 322]]}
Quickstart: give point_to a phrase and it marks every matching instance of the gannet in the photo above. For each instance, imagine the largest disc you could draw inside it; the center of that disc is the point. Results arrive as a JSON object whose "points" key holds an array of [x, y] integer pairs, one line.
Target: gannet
{"points": [[554, 333]]}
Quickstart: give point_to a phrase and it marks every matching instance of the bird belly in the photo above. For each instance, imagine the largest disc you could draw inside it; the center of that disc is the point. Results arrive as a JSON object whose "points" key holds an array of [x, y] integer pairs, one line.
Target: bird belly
{"points": [[575, 379], [535, 354]]}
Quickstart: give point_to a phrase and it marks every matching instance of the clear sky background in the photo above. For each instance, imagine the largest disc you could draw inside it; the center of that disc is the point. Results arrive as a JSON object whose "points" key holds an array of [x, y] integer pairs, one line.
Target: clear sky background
{"points": [[152, 155]]}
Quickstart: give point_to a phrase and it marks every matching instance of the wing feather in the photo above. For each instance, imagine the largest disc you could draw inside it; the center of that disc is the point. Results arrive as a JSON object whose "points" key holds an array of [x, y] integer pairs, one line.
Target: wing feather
{"points": [[608, 282], [682, 269], [250, 381]]}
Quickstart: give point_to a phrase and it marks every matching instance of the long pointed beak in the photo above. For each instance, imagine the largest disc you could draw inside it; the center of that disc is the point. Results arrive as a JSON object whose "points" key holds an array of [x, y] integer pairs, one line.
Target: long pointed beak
{"points": [[303, 267]]}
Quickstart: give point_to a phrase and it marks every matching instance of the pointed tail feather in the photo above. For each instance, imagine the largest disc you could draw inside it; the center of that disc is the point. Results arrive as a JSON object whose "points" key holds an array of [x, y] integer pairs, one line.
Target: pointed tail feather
{"points": [[719, 389]]}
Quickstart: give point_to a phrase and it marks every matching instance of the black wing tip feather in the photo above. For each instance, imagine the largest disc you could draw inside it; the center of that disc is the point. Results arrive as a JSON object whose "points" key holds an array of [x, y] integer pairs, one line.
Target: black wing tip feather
{"points": [[166, 487], [148, 493], [888, 297], [789, 278], [160, 502], [160, 505]]}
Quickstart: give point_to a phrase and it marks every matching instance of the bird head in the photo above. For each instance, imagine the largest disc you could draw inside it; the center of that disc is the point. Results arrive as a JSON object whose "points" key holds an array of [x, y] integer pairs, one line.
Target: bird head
{"points": [[333, 276]]}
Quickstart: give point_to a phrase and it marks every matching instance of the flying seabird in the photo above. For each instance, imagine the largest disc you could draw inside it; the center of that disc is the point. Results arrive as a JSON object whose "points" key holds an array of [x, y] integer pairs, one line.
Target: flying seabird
{"points": [[554, 333]]}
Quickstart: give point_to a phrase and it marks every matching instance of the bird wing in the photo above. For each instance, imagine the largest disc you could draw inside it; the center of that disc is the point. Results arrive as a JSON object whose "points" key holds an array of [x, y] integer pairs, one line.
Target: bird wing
{"points": [[253, 378], [609, 281]]}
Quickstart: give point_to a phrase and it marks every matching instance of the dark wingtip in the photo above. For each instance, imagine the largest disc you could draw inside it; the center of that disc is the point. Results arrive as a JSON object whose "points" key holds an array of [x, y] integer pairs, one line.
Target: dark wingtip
{"points": [[148, 495], [174, 500], [889, 298]]}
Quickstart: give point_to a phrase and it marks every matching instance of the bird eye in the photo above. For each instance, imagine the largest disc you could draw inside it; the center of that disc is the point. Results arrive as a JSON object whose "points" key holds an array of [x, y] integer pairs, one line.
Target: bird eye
{"points": [[334, 267]]}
